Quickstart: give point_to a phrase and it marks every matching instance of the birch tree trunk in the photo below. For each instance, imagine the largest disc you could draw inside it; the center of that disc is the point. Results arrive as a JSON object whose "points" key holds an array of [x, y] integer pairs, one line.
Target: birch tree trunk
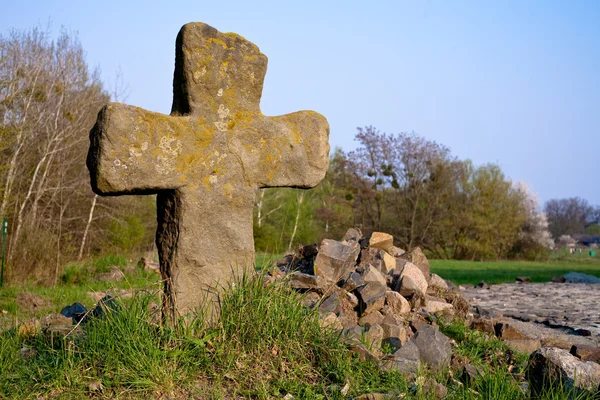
{"points": [[87, 227]]}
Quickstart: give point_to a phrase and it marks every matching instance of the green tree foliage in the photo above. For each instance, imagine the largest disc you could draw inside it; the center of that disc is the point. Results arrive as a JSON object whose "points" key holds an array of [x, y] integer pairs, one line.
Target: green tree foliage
{"points": [[412, 188], [285, 218], [416, 190], [593, 229]]}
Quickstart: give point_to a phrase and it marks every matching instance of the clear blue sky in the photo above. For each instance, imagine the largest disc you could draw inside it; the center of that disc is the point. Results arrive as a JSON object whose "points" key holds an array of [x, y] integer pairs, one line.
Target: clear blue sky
{"points": [[511, 82]]}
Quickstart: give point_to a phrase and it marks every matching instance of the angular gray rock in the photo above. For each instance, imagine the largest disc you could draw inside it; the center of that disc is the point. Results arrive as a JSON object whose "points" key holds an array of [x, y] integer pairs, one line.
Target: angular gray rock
{"points": [[335, 260], [407, 359], [551, 365], [395, 304], [372, 274], [373, 318], [371, 297], [352, 236], [299, 280], [331, 303], [395, 335], [412, 281], [437, 282], [205, 162], [417, 257], [373, 337], [434, 347], [374, 257], [353, 281], [433, 305]]}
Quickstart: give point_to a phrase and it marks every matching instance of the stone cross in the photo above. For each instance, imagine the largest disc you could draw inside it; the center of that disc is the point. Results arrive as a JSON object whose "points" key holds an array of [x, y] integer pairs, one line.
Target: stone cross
{"points": [[205, 162]]}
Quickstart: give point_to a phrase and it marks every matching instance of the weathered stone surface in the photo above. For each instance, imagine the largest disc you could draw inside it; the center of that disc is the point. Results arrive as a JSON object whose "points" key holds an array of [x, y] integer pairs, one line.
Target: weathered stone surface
{"points": [[206, 161], [586, 353], [407, 359], [329, 320], [372, 274], [412, 281], [371, 297], [395, 304], [352, 335], [364, 354], [352, 299], [394, 335], [393, 275], [374, 257], [417, 322], [373, 337], [397, 251], [434, 347], [57, 324], [352, 236], [483, 325], [437, 282], [331, 303], [417, 257], [434, 389], [389, 263], [373, 318], [508, 332], [381, 240], [568, 307], [556, 342], [527, 346], [347, 315], [353, 281], [299, 280], [438, 305], [335, 260], [310, 299], [550, 365]]}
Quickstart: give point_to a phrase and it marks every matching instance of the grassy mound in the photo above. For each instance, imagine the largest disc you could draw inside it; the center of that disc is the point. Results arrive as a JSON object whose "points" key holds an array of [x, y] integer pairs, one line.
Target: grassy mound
{"points": [[266, 345]]}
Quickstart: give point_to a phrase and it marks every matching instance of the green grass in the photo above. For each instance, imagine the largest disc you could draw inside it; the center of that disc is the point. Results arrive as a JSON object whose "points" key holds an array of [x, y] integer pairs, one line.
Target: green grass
{"points": [[265, 345], [465, 272], [76, 281]]}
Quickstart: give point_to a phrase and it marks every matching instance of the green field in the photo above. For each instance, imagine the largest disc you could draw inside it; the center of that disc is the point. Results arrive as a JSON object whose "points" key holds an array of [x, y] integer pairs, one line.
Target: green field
{"points": [[471, 272], [464, 272]]}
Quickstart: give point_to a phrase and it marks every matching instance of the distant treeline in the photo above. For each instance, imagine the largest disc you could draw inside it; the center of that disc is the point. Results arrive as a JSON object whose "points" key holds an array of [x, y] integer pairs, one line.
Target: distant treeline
{"points": [[416, 190], [402, 184]]}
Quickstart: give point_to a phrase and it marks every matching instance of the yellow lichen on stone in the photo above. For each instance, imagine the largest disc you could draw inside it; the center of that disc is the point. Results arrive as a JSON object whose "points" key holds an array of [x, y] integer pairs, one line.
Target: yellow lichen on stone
{"points": [[206, 182], [219, 42]]}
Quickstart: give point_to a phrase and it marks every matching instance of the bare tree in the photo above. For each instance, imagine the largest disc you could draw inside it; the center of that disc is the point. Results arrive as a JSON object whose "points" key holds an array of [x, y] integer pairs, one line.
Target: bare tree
{"points": [[48, 102]]}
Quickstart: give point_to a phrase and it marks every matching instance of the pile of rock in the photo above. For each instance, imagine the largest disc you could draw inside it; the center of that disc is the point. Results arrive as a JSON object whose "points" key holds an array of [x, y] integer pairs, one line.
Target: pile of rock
{"points": [[382, 298]]}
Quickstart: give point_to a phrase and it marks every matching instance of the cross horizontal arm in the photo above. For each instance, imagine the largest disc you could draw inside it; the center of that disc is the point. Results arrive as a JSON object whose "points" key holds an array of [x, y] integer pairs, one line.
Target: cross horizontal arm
{"points": [[290, 150], [135, 151]]}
